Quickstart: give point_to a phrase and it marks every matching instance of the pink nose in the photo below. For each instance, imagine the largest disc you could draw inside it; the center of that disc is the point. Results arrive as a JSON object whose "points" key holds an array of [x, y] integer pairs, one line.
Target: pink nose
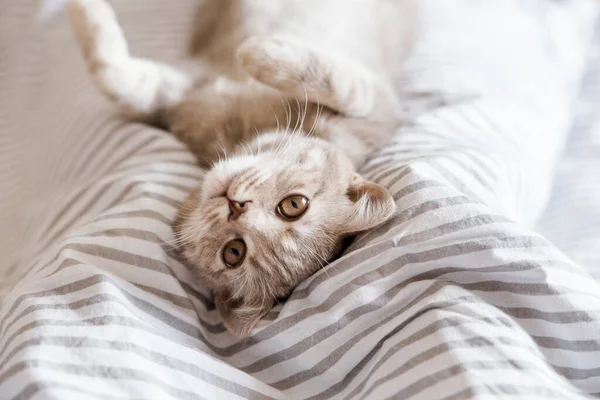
{"points": [[236, 208]]}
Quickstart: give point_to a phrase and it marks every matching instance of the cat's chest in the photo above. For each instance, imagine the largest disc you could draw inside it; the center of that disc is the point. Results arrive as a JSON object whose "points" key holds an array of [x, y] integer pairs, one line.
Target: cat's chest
{"points": [[235, 111]]}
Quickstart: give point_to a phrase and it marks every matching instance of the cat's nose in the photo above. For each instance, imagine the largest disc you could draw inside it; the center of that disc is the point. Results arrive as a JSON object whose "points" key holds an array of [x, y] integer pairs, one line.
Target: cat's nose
{"points": [[236, 208]]}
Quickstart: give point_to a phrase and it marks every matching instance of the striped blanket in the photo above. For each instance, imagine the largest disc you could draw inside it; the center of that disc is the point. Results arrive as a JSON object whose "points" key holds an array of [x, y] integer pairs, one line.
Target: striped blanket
{"points": [[477, 288]]}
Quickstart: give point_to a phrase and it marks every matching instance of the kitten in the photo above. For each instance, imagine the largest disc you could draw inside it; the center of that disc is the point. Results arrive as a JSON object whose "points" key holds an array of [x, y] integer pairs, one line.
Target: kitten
{"points": [[296, 93]]}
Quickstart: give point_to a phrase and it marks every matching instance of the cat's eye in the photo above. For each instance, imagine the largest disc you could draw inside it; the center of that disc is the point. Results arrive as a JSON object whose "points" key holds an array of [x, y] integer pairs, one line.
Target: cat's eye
{"points": [[234, 253], [292, 207]]}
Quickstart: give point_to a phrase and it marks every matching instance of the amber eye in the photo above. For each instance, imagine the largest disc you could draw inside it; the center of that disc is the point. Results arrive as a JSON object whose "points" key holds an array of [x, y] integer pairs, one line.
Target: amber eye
{"points": [[234, 253], [293, 207]]}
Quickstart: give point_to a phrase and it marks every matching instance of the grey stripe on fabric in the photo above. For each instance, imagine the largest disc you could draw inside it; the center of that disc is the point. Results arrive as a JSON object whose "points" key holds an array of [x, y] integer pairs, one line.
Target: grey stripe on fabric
{"points": [[117, 157], [40, 386], [408, 214], [145, 163], [127, 133], [398, 172], [470, 367], [140, 234], [132, 259], [450, 346], [275, 358], [100, 321], [530, 289], [452, 227], [149, 195], [422, 333], [76, 342], [110, 253], [556, 317], [324, 333], [332, 329], [135, 214], [174, 322], [327, 362], [334, 356], [575, 374], [15, 303], [515, 391], [352, 258], [33, 266], [99, 372], [148, 308], [76, 197], [432, 328], [209, 305], [159, 267], [376, 163], [424, 256], [415, 187], [476, 156], [91, 146], [96, 198], [425, 276], [455, 182], [570, 345], [388, 269], [131, 186], [88, 145], [75, 305], [471, 170]]}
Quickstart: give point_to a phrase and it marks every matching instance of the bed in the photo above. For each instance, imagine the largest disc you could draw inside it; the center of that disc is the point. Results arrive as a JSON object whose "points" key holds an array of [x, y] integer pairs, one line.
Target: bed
{"points": [[482, 286]]}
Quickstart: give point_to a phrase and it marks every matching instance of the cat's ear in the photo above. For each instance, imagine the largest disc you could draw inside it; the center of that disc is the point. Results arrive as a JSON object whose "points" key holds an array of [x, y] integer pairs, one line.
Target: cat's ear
{"points": [[372, 205], [239, 318]]}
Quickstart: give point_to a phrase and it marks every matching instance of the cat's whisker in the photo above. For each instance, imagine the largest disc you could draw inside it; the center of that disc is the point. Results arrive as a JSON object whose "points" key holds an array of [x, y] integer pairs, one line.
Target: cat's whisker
{"points": [[182, 241], [272, 296], [289, 124], [281, 149], [236, 279], [288, 113], [278, 124], [316, 120], [305, 111], [255, 140], [288, 144], [321, 260], [247, 148], [243, 276], [222, 148], [276, 119], [192, 234], [299, 113]]}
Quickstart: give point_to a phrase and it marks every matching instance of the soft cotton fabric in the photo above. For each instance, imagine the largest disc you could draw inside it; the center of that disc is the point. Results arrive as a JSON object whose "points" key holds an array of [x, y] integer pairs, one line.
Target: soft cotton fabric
{"points": [[457, 297]]}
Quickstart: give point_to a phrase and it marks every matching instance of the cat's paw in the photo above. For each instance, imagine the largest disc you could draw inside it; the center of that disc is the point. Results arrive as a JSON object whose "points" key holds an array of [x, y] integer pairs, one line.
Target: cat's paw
{"points": [[272, 61], [97, 32]]}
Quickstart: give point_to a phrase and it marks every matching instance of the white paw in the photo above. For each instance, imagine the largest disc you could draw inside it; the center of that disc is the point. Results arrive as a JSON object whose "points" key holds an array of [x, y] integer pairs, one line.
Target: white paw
{"points": [[270, 60], [97, 32]]}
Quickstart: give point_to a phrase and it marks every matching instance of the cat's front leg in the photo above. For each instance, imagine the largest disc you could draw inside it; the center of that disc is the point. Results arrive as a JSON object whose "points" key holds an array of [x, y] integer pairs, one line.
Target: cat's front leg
{"points": [[333, 81], [141, 87]]}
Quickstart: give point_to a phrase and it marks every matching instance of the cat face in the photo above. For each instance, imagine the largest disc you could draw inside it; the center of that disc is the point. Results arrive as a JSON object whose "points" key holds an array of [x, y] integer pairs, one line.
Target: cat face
{"points": [[260, 223]]}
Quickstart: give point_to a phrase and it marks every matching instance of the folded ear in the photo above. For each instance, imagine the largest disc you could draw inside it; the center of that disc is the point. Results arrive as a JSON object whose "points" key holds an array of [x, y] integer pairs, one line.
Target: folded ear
{"points": [[239, 318], [372, 205]]}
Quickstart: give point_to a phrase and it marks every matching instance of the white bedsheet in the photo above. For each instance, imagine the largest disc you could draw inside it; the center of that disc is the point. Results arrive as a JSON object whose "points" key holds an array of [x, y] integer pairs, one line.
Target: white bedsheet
{"points": [[457, 297]]}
